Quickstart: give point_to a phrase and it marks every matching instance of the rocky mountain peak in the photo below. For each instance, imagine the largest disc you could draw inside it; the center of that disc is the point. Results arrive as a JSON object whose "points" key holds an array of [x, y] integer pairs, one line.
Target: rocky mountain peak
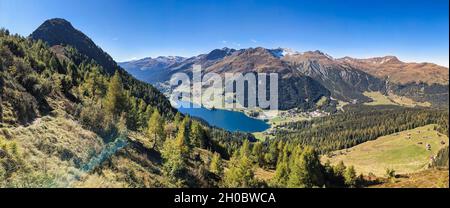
{"points": [[58, 31]]}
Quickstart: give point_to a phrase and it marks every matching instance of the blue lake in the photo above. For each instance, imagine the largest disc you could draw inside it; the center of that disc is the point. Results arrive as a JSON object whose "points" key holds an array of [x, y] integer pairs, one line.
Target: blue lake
{"points": [[228, 120]]}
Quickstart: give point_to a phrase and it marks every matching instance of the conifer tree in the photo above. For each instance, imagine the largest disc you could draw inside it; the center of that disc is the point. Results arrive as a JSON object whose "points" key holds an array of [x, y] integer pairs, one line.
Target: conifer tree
{"points": [[175, 153], [339, 169], [306, 170], [177, 119], [270, 157], [245, 149], [115, 97], [174, 162], [155, 129], [197, 135], [240, 173], [216, 165], [282, 169], [182, 140], [257, 152], [350, 176]]}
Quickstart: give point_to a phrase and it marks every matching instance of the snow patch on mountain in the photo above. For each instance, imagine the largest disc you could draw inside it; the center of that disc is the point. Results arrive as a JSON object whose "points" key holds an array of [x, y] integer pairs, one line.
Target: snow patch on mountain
{"points": [[282, 52]]}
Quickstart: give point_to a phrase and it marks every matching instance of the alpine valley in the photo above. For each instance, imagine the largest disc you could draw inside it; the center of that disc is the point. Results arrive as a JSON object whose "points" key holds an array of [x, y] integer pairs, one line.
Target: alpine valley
{"points": [[307, 77], [70, 116]]}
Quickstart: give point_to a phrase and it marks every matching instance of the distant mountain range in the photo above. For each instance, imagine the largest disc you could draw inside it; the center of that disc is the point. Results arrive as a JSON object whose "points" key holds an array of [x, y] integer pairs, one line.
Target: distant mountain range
{"points": [[306, 77]]}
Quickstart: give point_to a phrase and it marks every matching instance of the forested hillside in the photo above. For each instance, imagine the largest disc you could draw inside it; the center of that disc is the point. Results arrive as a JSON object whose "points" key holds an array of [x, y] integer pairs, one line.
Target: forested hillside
{"points": [[360, 124], [66, 121], [70, 117], [61, 112]]}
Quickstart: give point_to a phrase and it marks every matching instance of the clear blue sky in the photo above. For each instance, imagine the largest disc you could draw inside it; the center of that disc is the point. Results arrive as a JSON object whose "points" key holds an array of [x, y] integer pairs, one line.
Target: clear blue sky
{"points": [[410, 29]]}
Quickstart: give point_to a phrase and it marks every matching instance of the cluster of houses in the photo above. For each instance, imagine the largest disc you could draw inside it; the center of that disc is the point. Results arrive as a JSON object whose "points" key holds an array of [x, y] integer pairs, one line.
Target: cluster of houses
{"points": [[293, 113], [296, 113]]}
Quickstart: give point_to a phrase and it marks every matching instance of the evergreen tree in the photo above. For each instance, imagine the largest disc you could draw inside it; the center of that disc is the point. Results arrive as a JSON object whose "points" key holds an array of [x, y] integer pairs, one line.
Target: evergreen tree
{"points": [[240, 172], [142, 117], [282, 169], [155, 129], [216, 165], [257, 153], [132, 113], [177, 119], [245, 149], [306, 170], [174, 163], [122, 125], [175, 153], [182, 140], [115, 98], [350, 177], [270, 157], [339, 169], [197, 135]]}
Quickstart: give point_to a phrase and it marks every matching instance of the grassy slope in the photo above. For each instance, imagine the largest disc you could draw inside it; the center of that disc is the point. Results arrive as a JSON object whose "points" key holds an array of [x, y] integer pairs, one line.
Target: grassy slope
{"points": [[431, 178], [393, 151], [391, 99], [60, 147], [378, 99], [55, 145]]}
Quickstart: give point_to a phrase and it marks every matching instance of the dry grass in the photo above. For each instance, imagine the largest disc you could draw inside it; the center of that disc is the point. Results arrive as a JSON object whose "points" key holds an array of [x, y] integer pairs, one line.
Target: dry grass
{"points": [[431, 178], [55, 145], [265, 175]]}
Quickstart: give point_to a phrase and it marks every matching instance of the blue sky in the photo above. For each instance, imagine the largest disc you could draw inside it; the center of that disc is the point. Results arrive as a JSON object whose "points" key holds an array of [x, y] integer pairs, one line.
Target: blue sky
{"points": [[412, 30]]}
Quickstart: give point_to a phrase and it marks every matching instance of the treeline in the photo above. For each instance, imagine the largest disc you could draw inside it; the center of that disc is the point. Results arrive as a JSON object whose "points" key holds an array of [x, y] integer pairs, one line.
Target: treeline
{"points": [[295, 166], [436, 94], [356, 126]]}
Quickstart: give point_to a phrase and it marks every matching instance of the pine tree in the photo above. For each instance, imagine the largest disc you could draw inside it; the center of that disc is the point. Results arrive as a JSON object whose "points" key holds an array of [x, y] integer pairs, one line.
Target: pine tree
{"points": [[122, 125], [245, 149], [115, 97], [175, 153], [197, 135], [174, 163], [216, 165], [306, 170], [282, 169], [350, 177], [257, 153], [177, 119], [155, 129], [240, 173], [339, 169], [132, 113], [270, 157], [182, 140], [142, 117]]}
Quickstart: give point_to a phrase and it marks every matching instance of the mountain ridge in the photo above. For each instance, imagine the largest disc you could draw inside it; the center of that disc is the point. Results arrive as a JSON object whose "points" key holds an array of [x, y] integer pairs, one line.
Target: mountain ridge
{"points": [[345, 78], [58, 31], [376, 66]]}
